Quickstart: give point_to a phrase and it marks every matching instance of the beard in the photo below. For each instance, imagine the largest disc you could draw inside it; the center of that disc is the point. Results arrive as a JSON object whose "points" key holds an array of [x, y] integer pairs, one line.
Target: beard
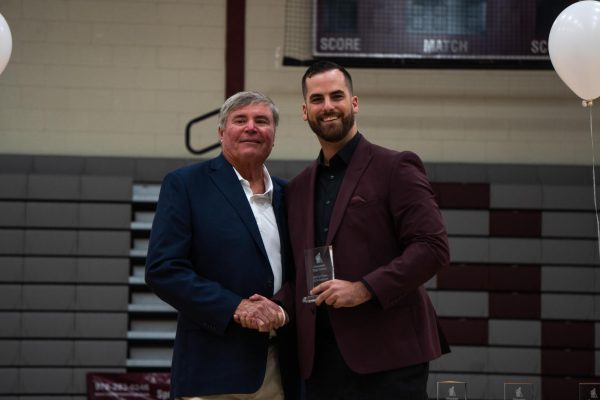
{"points": [[332, 133]]}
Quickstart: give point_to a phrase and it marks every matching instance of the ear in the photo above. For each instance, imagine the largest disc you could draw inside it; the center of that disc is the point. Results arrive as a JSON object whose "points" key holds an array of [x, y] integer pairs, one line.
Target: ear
{"points": [[304, 114], [220, 134], [354, 103]]}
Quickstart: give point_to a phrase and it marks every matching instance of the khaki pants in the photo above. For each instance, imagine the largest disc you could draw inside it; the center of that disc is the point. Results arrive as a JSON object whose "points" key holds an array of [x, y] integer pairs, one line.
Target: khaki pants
{"points": [[271, 388]]}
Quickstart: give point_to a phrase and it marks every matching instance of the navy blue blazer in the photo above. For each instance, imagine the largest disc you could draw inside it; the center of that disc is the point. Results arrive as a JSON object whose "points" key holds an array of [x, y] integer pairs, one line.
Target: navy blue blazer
{"points": [[205, 255]]}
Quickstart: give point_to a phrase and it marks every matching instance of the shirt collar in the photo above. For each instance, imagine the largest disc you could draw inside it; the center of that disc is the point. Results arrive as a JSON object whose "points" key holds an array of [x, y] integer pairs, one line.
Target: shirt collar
{"points": [[268, 183], [344, 154]]}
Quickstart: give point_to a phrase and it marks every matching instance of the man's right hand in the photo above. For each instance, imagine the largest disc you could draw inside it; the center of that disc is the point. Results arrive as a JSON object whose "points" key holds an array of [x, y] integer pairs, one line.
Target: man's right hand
{"points": [[260, 313]]}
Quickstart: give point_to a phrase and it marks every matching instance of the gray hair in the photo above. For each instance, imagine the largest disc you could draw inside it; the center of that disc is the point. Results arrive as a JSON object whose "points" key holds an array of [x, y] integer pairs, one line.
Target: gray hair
{"points": [[243, 99]]}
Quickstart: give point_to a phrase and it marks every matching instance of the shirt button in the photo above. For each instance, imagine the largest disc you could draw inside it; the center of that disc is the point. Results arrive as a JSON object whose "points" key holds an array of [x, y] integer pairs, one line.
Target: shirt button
{"points": [[328, 202], [331, 177], [325, 229]]}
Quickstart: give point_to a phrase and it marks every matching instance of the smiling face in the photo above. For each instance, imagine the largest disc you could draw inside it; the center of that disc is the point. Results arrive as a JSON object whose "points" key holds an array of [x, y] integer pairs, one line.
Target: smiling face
{"points": [[329, 107], [248, 135]]}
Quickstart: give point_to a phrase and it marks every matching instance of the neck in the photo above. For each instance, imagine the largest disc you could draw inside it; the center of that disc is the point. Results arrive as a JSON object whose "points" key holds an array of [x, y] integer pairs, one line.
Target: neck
{"points": [[331, 148], [253, 173]]}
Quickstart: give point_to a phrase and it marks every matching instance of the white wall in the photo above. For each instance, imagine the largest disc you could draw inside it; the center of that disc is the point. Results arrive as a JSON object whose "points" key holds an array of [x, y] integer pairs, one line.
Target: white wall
{"points": [[123, 77]]}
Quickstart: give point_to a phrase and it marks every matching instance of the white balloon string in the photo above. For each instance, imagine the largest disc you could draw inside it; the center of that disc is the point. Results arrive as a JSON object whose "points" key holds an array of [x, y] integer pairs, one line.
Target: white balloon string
{"points": [[589, 105]]}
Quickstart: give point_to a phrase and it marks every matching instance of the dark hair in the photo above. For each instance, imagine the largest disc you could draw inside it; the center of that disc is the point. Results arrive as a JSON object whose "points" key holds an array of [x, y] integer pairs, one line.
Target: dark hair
{"points": [[323, 66], [243, 99]]}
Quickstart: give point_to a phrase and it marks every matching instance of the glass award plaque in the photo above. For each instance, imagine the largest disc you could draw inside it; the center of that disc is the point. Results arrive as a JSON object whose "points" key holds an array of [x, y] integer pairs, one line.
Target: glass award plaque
{"points": [[518, 391], [589, 391], [318, 264], [451, 390]]}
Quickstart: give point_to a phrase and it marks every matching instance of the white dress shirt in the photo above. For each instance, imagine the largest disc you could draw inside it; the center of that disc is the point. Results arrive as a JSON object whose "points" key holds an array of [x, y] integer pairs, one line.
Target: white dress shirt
{"points": [[262, 208]]}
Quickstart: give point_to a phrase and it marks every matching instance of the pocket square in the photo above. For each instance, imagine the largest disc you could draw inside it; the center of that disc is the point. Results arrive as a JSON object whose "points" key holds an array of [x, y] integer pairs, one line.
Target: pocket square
{"points": [[357, 200]]}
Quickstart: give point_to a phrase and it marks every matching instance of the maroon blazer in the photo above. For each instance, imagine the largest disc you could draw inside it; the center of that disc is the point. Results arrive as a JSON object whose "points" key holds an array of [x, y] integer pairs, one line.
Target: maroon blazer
{"points": [[386, 228]]}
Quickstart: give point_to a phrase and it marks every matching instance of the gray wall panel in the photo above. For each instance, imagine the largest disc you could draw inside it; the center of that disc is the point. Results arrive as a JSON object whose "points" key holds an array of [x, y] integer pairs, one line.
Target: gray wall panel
{"points": [[9, 381], [37, 353], [116, 216], [52, 215], [514, 361], [54, 187], [10, 325], [11, 296], [103, 243], [103, 270], [520, 251], [49, 297], [514, 332], [461, 304], [50, 269], [13, 186], [11, 269], [101, 325], [568, 197], [569, 252], [469, 249], [515, 196], [568, 307], [12, 241], [10, 352], [102, 298], [100, 353], [568, 224], [569, 279], [106, 188], [48, 325], [47, 380], [12, 214], [50, 242], [467, 222], [463, 358]]}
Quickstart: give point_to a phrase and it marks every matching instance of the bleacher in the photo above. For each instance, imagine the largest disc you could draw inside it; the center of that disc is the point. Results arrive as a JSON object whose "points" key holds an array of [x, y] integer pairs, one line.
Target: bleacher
{"points": [[519, 302]]}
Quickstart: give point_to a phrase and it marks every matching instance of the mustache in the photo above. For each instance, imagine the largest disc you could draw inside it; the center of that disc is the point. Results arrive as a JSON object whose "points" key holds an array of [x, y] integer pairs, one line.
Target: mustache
{"points": [[329, 115]]}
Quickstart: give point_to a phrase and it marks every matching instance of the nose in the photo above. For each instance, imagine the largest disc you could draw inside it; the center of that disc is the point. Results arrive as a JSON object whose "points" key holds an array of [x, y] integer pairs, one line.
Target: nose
{"points": [[250, 126], [327, 104]]}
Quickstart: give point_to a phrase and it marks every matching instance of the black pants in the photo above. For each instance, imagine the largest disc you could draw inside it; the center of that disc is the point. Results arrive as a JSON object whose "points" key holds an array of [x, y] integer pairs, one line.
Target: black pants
{"points": [[333, 380]]}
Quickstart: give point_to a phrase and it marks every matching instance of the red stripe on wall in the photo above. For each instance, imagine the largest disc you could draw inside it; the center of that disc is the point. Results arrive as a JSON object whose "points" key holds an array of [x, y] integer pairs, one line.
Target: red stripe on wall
{"points": [[462, 195], [516, 223], [568, 334], [514, 305], [465, 331], [514, 278], [235, 47], [568, 362]]}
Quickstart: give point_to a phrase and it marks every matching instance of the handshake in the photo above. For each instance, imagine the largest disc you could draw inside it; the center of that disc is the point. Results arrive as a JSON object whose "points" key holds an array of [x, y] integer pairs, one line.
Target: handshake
{"points": [[258, 312]]}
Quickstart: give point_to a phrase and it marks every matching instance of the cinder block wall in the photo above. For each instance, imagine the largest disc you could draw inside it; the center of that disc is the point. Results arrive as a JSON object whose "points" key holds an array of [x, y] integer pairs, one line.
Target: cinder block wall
{"points": [[123, 77]]}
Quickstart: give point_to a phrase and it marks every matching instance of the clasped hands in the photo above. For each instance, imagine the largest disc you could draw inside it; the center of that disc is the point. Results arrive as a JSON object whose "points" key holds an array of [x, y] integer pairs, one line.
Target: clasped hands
{"points": [[258, 312]]}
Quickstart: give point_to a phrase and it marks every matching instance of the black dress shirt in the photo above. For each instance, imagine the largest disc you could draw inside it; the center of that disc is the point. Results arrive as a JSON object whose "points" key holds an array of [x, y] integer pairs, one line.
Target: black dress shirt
{"points": [[328, 182]]}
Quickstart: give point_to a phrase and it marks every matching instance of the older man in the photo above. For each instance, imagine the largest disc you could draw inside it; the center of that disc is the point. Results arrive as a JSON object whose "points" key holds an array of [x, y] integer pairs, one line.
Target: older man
{"points": [[216, 254]]}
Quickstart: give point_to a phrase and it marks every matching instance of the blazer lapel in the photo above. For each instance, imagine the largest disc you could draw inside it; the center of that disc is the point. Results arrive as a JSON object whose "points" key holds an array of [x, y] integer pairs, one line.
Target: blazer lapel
{"points": [[225, 179], [308, 214], [358, 164], [279, 211]]}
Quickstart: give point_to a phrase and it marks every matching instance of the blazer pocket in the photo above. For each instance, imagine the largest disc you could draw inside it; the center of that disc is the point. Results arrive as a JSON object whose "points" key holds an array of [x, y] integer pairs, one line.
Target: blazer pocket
{"points": [[357, 201]]}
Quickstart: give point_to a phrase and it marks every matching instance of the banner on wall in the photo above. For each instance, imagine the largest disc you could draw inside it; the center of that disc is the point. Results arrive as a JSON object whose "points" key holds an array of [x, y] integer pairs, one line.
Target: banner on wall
{"points": [[128, 386]]}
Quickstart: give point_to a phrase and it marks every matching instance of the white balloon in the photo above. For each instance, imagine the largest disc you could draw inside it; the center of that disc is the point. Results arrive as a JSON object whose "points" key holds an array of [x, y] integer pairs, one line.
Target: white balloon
{"points": [[574, 47], [5, 43]]}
